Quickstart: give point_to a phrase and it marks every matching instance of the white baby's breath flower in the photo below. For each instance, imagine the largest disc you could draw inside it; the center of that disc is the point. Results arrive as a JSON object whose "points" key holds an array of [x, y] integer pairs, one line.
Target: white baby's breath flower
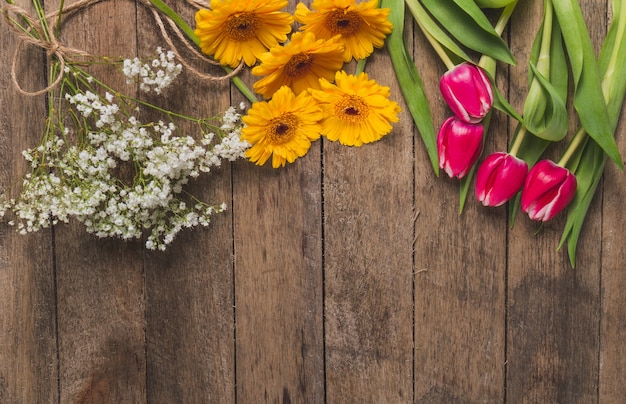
{"points": [[155, 75], [123, 178]]}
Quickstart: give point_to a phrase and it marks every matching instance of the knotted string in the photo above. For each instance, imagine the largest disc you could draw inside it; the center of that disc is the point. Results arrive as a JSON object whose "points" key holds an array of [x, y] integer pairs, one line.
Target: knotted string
{"points": [[40, 36]]}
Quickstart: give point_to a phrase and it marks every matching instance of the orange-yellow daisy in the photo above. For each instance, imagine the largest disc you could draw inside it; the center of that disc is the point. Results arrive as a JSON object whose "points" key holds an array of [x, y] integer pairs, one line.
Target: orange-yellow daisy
{"points": [[282, 127], [299, 64], [233, 30], [362, 26], [356, 110]]}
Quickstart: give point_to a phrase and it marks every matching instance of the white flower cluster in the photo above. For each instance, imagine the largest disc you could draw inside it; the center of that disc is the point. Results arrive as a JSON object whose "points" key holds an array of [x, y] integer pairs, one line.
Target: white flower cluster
{"points": [[154, 76], [122, 178]]}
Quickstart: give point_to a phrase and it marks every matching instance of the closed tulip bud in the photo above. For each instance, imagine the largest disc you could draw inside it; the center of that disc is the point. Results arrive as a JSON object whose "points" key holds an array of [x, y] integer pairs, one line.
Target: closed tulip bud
{"points": [[459, 144], [467, 91], [548, 189], [499, 177]]}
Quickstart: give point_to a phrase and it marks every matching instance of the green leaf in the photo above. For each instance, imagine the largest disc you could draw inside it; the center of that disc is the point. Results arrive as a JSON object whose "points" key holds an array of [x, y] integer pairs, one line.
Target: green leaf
{"points": [[410, 81], [545, 112], [589, 165], [500, 103], [467, 23], [431, 28], [588, 175], [612, 61], [545, 109], [588, 99]]}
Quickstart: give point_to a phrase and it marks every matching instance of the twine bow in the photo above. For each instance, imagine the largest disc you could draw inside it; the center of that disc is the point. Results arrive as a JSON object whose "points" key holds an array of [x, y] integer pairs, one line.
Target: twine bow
{"points": [[40, 35]]}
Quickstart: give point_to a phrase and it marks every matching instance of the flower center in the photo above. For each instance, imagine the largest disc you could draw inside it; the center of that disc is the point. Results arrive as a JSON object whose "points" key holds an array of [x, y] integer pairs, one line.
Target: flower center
{"points": [[344, 23], [298, 65], [352, 108], [282, 129], [241, 27]]}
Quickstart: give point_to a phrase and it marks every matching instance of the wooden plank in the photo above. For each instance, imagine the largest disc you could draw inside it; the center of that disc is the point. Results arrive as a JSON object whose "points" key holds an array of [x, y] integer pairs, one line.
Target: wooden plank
{"points": [[100, 281], [278, 278], [612, 378], [368, 238], [460, 264], [189, 288], [278, 282], [553, 311], [28, 358]]}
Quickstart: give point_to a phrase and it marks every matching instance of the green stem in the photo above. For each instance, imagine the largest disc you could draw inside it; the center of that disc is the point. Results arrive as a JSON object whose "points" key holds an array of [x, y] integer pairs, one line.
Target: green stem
{"points": [[178, 20], [543, 61], [486, 62], [518, 141], [577, 140], [360, 66]]}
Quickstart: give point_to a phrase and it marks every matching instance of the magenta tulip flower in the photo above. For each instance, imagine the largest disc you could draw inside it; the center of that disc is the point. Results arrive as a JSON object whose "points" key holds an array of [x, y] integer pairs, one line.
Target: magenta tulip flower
{"points": [[467, 91], [459, 144], [499, 177], [548, 189]]}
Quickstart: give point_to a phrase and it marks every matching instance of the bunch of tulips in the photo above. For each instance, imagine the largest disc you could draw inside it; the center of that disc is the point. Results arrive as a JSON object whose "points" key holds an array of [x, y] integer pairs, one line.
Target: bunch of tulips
{"points": [[546, 190], [563, 72]]}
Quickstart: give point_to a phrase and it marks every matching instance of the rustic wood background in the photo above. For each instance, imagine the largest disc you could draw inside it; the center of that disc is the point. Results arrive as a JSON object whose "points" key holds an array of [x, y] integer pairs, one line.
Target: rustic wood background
{"points": [[348, 276]]}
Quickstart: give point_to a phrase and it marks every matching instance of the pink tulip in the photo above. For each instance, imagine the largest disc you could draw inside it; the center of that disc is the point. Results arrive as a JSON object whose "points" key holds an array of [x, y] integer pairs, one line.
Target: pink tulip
{"points": [[459, 144], [499, 177], [467, 91], [548, 189]]}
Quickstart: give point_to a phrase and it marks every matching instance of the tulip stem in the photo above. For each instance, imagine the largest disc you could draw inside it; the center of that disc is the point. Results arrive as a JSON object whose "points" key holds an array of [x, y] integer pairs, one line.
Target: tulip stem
{"points": [[543, 61], [486, 61], [578, 138], [518, 140], [504, 17]]}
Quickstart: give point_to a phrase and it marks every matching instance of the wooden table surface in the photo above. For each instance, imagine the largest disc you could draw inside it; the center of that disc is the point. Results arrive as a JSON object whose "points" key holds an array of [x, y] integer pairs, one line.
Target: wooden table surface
{"points": [[346, 277]]}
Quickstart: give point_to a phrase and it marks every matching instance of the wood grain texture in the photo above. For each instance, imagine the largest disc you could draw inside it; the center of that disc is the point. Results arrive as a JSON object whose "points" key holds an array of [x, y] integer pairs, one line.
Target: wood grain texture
{"points": [[28, 338], [612, 358], [100, 285], [189, 288], [368, 237], [553, 311], [460, 270], [348, 276], [278, 279]]}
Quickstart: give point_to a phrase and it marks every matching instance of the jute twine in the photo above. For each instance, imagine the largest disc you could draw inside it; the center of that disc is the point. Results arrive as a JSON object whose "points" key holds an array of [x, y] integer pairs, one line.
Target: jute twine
{"points": [[46, 39]]}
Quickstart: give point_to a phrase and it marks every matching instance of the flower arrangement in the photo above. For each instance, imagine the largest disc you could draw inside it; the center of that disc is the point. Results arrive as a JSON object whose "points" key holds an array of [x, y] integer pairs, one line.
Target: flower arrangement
{"points": [[561, 49], [298, 61]]}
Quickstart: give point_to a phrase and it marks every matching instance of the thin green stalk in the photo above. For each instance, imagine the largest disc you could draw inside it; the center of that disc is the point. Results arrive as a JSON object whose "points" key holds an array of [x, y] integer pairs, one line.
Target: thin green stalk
{"points": [[178, 20], [360, 66], [577, 140], [487, 62], [543, 61], [519, 139]]}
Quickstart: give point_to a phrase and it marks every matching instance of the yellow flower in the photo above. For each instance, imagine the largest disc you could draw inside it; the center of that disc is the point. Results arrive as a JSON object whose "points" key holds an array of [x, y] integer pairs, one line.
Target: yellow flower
{"points": [[362, 26], [242, 29], [356, 110], [282, 127], [299, 64]]}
